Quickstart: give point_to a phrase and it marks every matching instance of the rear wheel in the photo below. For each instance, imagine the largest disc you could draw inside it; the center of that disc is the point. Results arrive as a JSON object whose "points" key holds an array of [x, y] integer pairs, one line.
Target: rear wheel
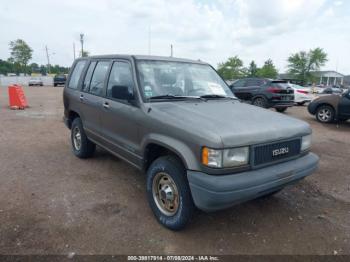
{"points": [[168, 192], [281, 109], [260, 102], [325, 114], [81, 145]]}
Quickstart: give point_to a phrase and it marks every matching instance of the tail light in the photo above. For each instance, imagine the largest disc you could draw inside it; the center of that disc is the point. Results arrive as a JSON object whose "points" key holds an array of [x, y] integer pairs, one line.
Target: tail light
{"points": [[302, 91], [273, 90]]}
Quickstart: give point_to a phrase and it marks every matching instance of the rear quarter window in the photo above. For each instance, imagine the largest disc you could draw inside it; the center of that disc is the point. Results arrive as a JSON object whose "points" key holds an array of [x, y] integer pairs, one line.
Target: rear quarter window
{"points": [[75, 76]]}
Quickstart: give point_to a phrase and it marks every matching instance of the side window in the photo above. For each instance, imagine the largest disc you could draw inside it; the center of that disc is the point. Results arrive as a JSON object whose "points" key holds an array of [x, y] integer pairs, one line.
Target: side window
{"points": [[239, 83], [120, 83], [86, 84], [74, 79], [98, 78]]}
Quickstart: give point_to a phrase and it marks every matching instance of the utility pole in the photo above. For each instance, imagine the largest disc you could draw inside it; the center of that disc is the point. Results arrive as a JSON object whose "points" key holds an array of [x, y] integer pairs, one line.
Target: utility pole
{"points": [[149, 40], [74, 50], [82, 44], [48, 59], [171, 50]]}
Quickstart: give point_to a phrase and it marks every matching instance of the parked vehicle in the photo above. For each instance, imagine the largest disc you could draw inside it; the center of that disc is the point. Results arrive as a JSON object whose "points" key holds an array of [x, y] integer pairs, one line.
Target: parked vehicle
{"points": [[302, 95], [177, 120], [264, 92], [59, 80], [328, 108], [35, 82]]}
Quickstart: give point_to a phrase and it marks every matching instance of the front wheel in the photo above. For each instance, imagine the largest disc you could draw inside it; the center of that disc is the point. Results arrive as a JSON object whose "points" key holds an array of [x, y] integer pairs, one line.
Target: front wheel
{"points": [[82, 147], [325, 114], [260, 102], [281, 109], [168, 192], [300, 103]]}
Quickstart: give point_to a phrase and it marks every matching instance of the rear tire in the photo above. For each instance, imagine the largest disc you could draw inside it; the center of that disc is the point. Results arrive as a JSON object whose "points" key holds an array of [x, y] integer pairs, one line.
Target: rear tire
{"points": [[168, 192], [260, 102], [281, 109], [82, 147], [325, 114]]}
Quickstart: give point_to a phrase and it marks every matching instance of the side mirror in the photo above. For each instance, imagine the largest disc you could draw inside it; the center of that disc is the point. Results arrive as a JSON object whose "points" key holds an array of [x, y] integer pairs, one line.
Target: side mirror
{"points": [[122, 93]]}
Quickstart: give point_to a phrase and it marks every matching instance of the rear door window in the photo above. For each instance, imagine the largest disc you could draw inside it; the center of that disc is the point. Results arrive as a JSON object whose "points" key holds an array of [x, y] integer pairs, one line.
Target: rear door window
{"points": [[74, 79], [98, 78], [86, 84]]}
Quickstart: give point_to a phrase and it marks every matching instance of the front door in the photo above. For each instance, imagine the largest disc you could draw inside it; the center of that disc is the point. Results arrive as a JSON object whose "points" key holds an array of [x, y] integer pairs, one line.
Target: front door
{"points": [[120, 114], [344, 105]]}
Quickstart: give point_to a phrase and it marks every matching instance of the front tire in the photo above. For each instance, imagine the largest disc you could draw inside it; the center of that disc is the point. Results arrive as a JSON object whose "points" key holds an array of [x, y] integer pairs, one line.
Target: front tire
{"points": [[325, 114], [168, 192], [301, 103], [281, 109], [82, 147]]}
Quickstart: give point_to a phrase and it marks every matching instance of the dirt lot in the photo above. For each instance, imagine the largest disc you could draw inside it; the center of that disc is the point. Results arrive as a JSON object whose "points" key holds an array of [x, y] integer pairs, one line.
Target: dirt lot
{"points": [[54, 203]]}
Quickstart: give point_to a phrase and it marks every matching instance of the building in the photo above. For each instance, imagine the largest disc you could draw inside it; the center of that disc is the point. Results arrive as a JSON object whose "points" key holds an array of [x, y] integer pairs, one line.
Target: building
{"points": [[329, 77], [326, 78]]}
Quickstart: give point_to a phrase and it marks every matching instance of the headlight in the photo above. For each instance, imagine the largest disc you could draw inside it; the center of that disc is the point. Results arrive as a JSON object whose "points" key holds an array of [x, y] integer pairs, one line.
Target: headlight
{"points": [[306, 142], [225, 158]]}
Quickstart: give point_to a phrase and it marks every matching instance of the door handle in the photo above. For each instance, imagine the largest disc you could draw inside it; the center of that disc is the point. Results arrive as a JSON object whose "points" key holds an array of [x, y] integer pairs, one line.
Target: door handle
{"points": [[106, 105], [81, 97]]}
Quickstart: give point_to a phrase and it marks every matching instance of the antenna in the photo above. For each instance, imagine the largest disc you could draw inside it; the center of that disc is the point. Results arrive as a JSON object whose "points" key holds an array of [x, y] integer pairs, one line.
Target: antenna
{"points": [[74, 50]]}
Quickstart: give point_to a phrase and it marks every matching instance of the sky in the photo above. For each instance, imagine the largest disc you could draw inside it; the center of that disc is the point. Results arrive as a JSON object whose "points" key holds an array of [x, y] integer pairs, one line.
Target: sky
{"points": [[198, 29]]}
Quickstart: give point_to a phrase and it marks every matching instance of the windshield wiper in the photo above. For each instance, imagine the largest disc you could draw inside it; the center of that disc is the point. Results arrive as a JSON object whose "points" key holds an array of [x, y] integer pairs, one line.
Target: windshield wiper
{"points": [[216, 97], [168, 96]]}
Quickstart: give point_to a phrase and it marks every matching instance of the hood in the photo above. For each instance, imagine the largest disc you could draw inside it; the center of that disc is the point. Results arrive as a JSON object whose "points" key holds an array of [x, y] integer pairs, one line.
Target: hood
{"points": [[234, 122]]}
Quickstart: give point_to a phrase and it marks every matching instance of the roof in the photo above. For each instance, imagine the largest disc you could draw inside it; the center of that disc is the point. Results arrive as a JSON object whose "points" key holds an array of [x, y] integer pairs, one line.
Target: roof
{"points": [[147, 57], [329, 73]]}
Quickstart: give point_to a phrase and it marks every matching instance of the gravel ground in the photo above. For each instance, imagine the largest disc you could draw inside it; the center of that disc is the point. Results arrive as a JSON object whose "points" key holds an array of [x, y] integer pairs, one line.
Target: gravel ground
{"points": [[54, 203]]}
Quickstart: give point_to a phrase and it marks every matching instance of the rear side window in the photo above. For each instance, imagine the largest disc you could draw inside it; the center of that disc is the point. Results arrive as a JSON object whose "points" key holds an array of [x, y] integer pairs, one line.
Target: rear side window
{"points": [[74, 79], [98, 78], [86, 84], [121, 76], [254, 82]]}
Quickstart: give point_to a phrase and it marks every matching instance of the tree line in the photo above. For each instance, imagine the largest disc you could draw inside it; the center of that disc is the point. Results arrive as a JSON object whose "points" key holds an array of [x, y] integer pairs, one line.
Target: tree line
{"points": [[300, 66], [18, 62]]}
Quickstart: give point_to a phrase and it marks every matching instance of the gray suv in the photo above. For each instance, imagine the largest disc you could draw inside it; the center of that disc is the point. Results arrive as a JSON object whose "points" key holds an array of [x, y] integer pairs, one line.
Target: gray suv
{"points": [[178, 122]]}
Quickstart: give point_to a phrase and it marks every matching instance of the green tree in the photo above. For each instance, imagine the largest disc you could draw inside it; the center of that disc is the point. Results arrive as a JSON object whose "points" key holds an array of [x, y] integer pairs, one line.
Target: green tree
{"points": [[253, 69], [231, 69], [268, 70], [301, 64], [21, 53]]}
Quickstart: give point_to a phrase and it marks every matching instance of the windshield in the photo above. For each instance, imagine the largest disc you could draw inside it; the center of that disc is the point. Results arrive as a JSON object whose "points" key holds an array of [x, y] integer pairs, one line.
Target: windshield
{"points": [[165, 78]]}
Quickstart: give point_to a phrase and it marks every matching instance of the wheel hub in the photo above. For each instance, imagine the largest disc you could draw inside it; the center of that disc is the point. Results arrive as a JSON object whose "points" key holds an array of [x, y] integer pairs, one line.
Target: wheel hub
{"points": [[165, 194], [77, 138]]}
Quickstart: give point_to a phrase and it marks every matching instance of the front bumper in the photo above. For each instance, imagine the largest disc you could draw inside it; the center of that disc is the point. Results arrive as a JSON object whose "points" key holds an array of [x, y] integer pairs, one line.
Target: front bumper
{"points": [[213, 192]]}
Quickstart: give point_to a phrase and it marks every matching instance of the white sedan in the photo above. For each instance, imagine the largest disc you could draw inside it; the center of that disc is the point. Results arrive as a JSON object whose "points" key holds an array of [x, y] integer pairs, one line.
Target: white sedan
{"points": [[302, 95]]}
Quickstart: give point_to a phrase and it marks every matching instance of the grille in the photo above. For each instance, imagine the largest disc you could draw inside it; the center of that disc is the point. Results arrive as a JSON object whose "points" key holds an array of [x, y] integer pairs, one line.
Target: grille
{"points": [[264, 154]]}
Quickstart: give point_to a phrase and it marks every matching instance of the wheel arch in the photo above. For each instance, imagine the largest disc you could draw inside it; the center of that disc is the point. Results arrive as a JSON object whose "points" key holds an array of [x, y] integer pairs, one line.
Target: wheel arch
{"points": [[158, 145]]}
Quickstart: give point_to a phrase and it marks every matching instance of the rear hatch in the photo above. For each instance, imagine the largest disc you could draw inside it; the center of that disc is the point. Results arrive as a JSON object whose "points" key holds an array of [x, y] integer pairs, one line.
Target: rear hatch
{"points": [[281, 91]]}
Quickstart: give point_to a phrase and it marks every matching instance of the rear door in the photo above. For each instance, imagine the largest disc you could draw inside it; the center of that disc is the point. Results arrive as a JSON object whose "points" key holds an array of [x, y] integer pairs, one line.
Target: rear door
{"points": [[121, 115], [344, 105], [91, 97]]}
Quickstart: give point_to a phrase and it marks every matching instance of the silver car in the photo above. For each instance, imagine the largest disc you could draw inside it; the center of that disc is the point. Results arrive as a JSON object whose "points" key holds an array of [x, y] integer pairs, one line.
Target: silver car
{"points": [[35, 82]]}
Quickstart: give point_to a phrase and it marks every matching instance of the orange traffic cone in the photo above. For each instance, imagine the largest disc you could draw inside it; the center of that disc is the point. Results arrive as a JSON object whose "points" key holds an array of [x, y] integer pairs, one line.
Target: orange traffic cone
{"points": [[17, 99]]}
